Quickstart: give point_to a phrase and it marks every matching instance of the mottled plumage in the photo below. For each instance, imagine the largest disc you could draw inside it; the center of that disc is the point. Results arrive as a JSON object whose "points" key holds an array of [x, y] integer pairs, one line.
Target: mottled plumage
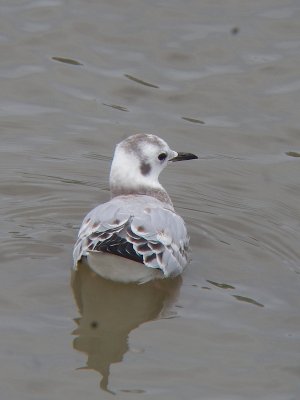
{"points": [[139, 222]]}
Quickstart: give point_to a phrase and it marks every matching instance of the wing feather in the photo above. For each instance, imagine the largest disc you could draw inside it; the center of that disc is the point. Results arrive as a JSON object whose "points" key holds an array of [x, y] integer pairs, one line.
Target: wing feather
{"points": [[152, 235]]}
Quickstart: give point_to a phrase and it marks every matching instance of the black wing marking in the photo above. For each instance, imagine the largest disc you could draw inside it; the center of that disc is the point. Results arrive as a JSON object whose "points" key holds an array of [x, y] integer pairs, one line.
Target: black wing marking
{"points": [[120, 247]]}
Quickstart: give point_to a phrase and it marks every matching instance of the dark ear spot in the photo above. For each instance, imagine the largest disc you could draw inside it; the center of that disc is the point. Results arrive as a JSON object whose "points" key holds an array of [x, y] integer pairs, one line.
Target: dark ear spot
{"points": [[145, 168]]}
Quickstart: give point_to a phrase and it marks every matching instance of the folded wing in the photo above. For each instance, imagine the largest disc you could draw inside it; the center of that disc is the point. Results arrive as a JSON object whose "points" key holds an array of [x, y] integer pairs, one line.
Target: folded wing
{"points": [[142, 231]]}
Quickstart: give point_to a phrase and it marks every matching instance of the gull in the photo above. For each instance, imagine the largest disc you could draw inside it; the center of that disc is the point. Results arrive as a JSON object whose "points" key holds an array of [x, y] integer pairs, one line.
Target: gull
{"points": [[137, 235]]}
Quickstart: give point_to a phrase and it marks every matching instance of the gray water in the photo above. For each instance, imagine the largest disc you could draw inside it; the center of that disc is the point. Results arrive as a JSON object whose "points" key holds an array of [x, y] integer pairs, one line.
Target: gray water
{"points": [[217, 78]]}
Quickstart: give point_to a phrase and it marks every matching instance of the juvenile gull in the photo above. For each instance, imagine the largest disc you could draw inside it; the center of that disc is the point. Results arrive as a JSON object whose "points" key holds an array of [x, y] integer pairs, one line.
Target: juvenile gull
{"points": [[139, 223]]}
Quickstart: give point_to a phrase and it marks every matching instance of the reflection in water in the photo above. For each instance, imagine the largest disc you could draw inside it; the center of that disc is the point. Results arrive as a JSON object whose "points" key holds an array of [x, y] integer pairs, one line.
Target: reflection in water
{"points": [[221, 285], [115, 106], [142, 82], [110, 311], [194, 120], [248, 300], [66, 60]]}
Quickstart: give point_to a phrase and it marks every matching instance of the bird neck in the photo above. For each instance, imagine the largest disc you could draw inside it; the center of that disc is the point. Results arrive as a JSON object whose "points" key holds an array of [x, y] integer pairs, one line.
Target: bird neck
{"points": [[158, 193]]}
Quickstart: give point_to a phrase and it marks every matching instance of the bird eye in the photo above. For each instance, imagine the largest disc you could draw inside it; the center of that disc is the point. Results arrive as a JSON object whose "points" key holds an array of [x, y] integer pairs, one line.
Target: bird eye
{"points": [[162, 156]]}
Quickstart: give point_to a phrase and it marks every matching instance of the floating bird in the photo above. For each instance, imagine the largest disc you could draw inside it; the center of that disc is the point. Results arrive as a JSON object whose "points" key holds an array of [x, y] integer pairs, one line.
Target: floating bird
{"points": [[137, 235]]}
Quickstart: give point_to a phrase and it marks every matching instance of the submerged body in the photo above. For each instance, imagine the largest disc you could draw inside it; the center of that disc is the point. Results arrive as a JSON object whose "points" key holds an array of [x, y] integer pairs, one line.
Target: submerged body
{"points": [[139, 223]]}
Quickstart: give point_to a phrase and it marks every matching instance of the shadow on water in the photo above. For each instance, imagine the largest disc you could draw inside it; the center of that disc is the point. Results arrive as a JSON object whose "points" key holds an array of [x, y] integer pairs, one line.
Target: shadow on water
{"points": [[110, 311]]}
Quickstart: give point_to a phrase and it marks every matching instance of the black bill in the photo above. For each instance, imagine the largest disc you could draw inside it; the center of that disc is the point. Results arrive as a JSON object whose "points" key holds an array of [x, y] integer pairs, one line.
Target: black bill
{"points": [[184, 156]]}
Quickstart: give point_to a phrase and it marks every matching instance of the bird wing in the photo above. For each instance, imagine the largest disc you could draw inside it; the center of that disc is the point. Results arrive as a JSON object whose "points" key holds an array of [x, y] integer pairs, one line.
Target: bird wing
{"points": [[140, 229]]}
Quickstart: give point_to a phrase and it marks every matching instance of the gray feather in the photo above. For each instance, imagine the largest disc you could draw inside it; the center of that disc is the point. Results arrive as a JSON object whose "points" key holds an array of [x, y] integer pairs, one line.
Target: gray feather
{"points": [[138, 224]]}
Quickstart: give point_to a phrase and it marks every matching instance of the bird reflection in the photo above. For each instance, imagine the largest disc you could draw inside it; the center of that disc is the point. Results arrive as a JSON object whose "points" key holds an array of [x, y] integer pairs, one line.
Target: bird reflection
{"points": [[110, 311]]}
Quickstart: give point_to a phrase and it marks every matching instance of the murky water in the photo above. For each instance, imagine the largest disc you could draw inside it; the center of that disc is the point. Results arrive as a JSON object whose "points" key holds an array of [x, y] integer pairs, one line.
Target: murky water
{"points": [[220, 79]]}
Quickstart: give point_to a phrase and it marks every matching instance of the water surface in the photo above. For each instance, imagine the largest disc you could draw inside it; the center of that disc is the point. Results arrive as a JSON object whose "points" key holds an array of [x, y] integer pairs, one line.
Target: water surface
{"points": [[220, 79]]}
